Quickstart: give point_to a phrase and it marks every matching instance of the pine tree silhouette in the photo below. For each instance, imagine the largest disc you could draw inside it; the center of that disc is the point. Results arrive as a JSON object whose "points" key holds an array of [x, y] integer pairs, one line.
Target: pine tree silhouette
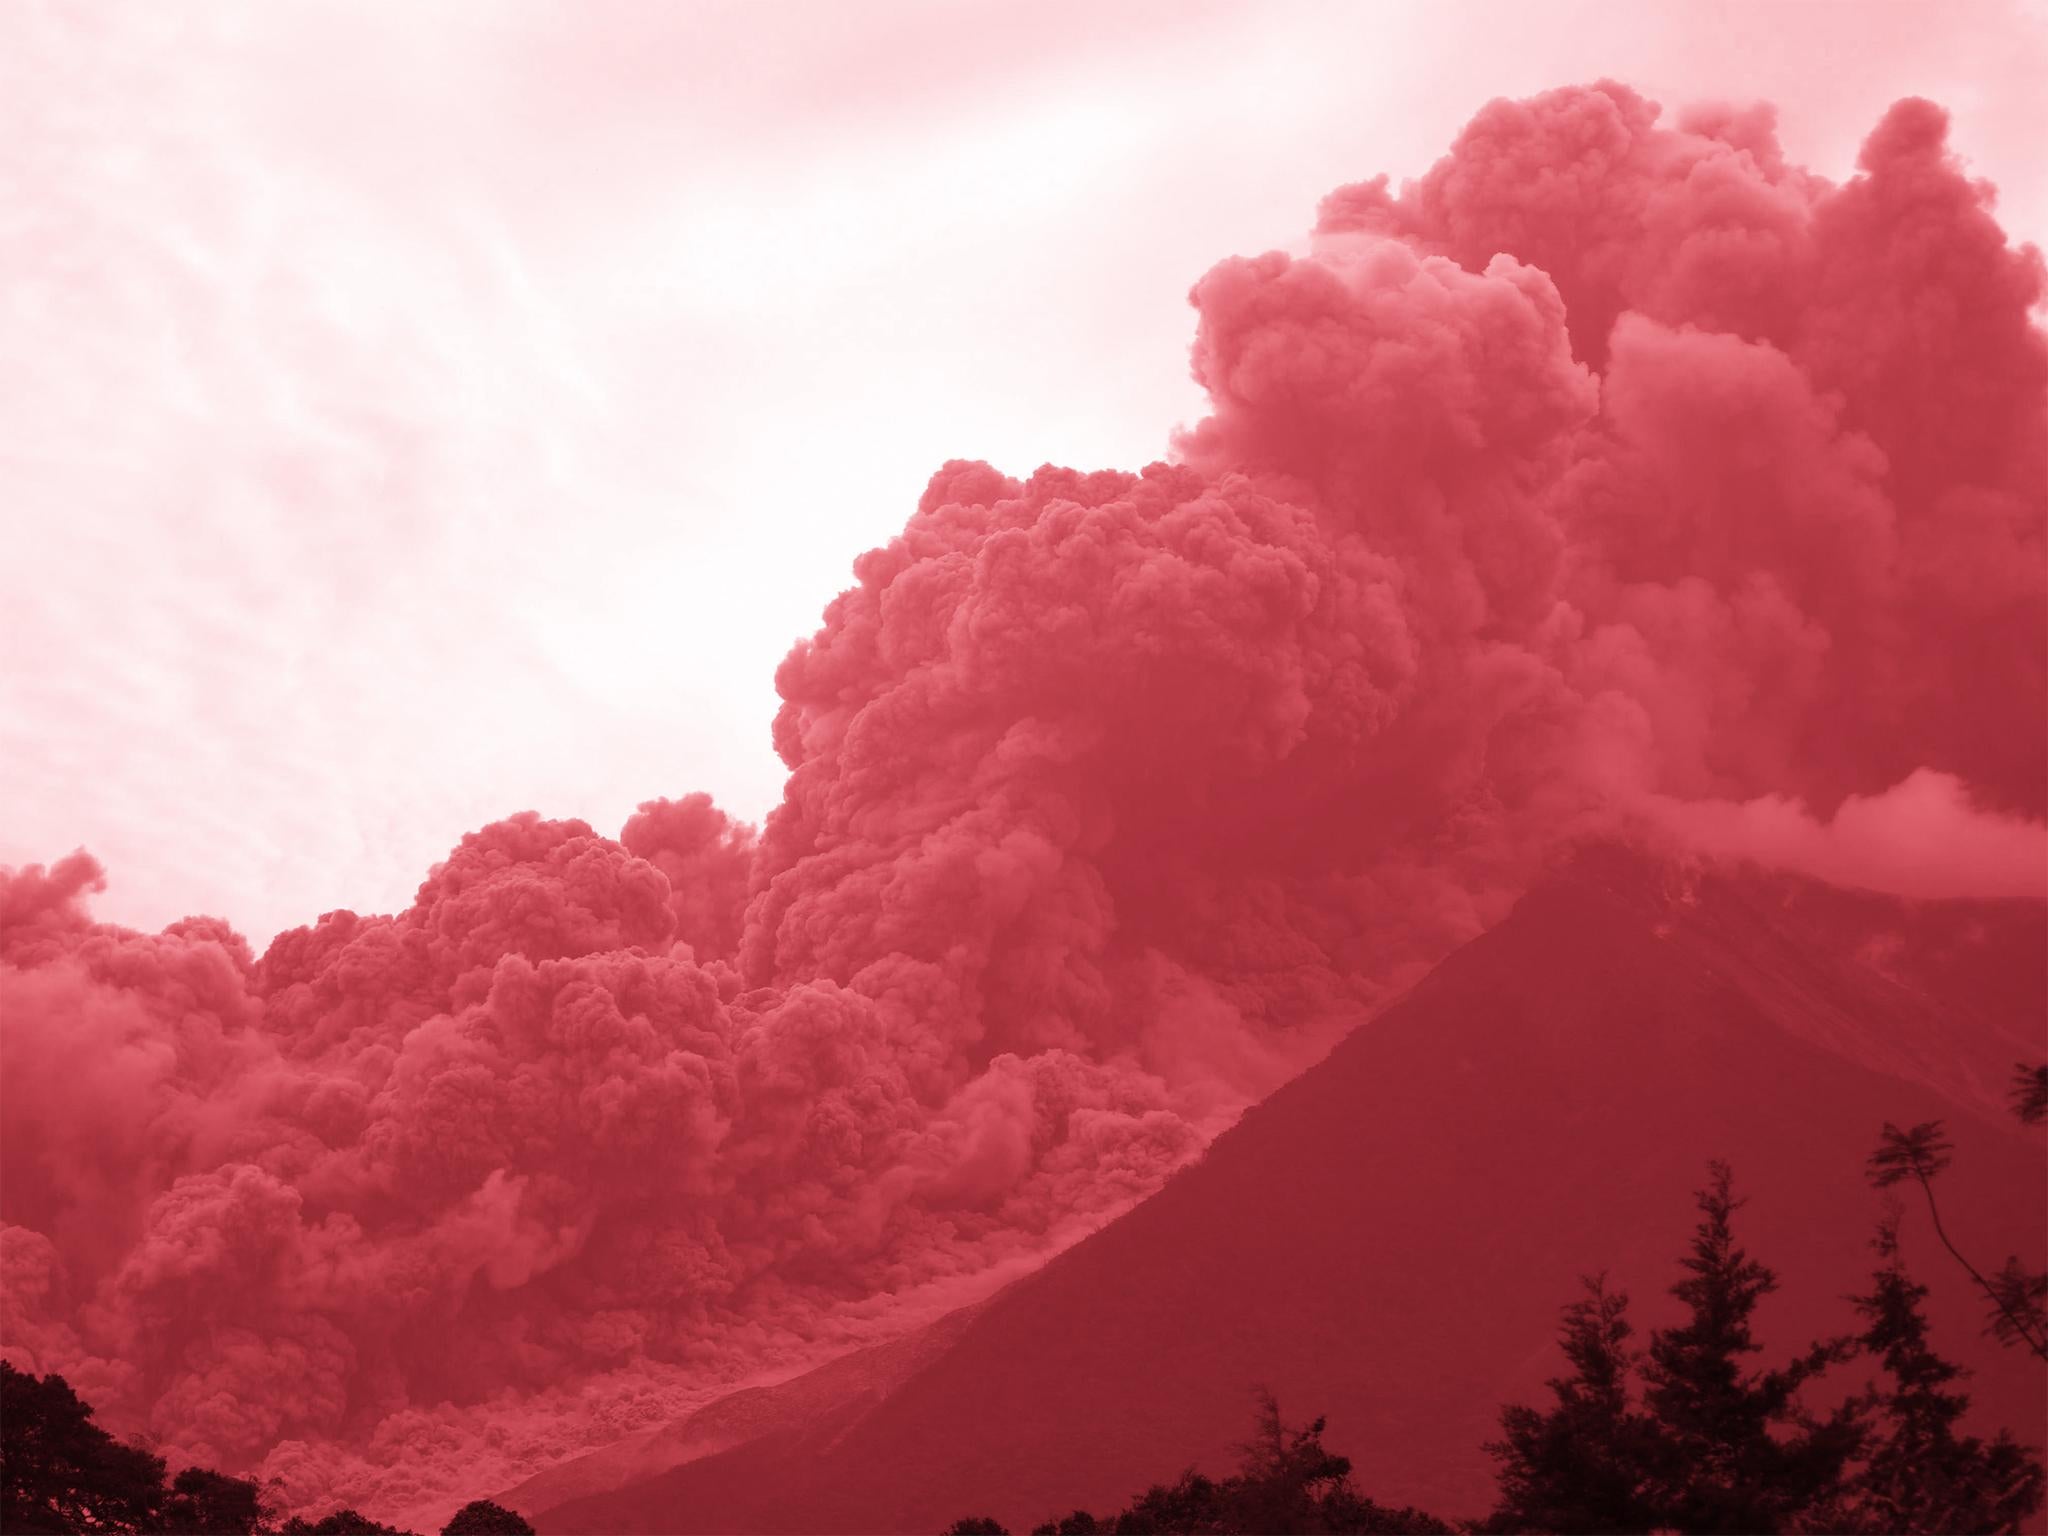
{"points": [[1586, 1463], [1917, 1474], [1736, 1453]]}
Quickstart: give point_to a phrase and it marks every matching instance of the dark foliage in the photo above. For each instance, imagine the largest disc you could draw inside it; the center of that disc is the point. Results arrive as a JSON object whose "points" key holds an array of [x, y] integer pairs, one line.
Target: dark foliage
{"points": [[1715, 1444], [343, 1522], [60, 1472], [1689, 1436], [2018, 1295], [1718, 1446], [2019, 1306], [1079, 1523], [62, 1475], [1711, 1442], [1919, 1153], [1586, 1463], [480, 1517], [1287, 1481], [2030, 1092], [206, 1503], [1916, 1472], [1734, 1451]]}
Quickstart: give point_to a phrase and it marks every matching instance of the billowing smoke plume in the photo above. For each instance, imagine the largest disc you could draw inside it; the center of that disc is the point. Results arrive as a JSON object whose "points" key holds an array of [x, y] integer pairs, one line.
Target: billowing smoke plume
{"points": [[1613, 477]]}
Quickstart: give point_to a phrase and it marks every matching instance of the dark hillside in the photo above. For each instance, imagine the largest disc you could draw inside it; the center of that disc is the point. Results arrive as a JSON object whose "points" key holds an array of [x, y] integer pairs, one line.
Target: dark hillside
{"points": [[1387, 1239]]}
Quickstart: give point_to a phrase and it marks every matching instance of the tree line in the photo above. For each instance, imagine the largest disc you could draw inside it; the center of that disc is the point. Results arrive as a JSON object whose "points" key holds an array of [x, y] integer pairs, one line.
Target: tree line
{"points": [[1690, 1434], [63, 1475], [1693, 1433]]}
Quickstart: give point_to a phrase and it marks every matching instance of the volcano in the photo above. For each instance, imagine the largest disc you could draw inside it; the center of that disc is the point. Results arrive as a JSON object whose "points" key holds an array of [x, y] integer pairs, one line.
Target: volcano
{"points": [[1388, 1238]]}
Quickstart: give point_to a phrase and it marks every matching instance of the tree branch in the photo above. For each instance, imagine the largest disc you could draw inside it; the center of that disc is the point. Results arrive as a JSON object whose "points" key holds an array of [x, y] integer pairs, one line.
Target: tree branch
{"points": [[2021, 1327]]}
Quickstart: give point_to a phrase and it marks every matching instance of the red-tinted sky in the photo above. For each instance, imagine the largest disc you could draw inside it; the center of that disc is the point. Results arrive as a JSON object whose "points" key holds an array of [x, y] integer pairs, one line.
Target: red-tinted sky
{"points": [[436, 413]]}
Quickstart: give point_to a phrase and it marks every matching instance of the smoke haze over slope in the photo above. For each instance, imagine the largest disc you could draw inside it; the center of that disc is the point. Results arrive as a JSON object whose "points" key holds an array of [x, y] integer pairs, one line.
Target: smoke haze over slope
{"points": [[1616, 477]]}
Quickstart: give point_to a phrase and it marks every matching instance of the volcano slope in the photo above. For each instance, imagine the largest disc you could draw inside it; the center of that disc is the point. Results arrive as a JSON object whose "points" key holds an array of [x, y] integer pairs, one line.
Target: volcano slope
{"points": [[1388, 1238]]}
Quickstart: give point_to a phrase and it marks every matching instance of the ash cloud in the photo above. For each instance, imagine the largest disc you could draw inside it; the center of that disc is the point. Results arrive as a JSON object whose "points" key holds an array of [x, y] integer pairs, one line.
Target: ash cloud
{"points": [[1616, 474]]}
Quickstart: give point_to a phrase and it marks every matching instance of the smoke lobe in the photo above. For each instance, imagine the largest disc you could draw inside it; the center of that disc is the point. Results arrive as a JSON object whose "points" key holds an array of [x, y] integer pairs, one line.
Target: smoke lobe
{"points": [[1616, 477]]}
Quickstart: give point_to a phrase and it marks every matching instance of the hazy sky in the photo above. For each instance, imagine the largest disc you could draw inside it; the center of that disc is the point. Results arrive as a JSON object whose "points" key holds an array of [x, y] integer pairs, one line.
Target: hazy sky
{"points": [[415, 414]]}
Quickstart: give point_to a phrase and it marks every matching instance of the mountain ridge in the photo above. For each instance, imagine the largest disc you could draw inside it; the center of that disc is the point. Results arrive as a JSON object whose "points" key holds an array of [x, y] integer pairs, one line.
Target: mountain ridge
{"points": [[1387, 1238]]}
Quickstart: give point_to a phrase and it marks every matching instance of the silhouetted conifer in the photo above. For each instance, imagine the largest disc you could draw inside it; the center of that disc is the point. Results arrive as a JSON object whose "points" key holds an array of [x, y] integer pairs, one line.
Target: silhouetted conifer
{"points": [[976, 1525], [1586, 1463], [1736, 1453], [1917, 1474], [480, 1517]]}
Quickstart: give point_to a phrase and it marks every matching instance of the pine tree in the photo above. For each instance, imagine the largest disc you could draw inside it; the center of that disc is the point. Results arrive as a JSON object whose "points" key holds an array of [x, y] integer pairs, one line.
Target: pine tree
{"points": [[1736, 1452], [1585, 1464], [1917, 1474]]}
